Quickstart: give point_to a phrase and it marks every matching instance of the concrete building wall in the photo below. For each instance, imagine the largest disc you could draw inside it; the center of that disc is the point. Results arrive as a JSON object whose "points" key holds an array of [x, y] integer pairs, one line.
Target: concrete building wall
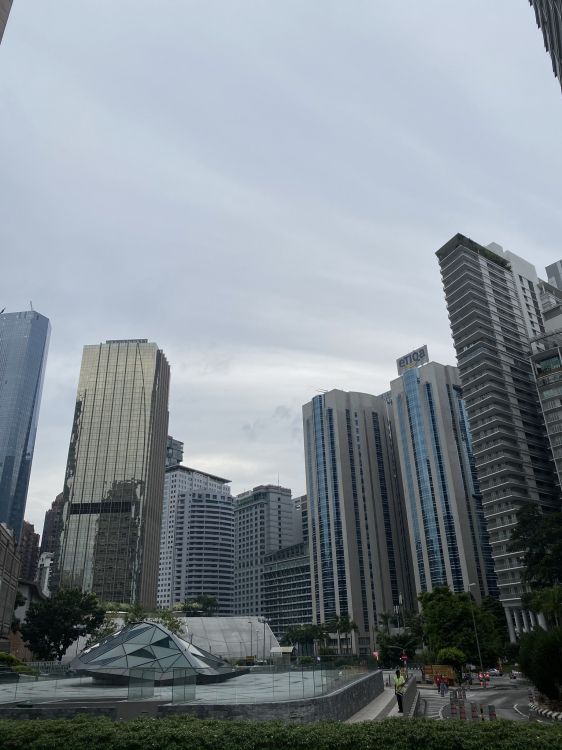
{"points": [[263, 523], [9, 573], [287, 588], [196, 539], [491, 327]]}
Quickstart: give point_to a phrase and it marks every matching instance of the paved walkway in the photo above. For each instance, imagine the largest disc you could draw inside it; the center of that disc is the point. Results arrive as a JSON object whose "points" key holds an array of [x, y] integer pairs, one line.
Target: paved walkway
{"points": [[382, 707], [433, 702]]}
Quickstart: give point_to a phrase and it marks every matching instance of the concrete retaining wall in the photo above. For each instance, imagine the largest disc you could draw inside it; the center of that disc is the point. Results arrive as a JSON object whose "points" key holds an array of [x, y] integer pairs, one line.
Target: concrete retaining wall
{"points": [[410, 695], [336, 706]]}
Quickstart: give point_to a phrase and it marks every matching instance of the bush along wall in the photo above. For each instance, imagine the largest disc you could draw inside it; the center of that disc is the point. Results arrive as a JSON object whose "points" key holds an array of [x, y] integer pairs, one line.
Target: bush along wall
{"points": [[176, 733]]}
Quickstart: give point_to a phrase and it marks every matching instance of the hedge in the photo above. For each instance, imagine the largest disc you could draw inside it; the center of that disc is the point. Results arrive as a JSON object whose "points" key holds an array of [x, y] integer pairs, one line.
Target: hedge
{"points": [[183, 732]]}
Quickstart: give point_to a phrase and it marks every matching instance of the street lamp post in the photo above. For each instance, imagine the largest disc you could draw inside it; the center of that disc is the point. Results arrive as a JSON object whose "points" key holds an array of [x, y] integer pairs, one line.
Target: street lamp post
{"points": [[263, 620], [251, 638], [474, 625]]}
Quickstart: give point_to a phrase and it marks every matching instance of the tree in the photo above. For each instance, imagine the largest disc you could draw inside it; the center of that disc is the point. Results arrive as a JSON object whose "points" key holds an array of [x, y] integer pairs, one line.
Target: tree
{"points": [[202, 606], [135, 613], [539, 537], [540, 658], [304, 636], [52, 625], [447, 621], [452, 656], [391, 647], [107, 627], [167, 618], [548, 601], [340, 624]]}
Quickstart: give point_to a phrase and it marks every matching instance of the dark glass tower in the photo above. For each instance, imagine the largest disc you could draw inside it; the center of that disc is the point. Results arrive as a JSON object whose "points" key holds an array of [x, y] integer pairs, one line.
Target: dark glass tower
{"points": [[549, 19], [24, 340], [115, 473]]}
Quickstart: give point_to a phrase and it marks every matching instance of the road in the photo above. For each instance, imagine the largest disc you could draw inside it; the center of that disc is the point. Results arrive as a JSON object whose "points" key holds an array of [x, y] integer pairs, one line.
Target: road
{"points": [[510, 698]]}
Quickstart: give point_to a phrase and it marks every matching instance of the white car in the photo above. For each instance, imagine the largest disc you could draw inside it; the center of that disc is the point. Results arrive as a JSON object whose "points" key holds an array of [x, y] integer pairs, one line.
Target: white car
{"points": [[494, 672]]}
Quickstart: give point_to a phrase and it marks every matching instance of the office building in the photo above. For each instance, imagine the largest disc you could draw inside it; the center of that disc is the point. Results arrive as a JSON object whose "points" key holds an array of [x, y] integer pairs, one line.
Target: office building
{"points": [[115, 473], [9, 573], [547, 366], [174, 452], [300, 519], [287, 588], [28, 551], [24, 341], [495, 303], [263, 523], [5, 6], [359, 555], [44, 572], [549, 19], [196, 539], [52, 526], [448, 538]]}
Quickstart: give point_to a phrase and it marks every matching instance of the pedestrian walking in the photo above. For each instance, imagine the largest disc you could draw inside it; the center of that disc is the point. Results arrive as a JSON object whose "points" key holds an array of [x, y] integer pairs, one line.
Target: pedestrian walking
{"points": [[399, 682]]}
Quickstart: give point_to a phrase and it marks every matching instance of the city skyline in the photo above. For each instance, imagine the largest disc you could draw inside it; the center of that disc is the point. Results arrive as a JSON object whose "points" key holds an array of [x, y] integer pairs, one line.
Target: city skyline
{"points": [[286, 185]]}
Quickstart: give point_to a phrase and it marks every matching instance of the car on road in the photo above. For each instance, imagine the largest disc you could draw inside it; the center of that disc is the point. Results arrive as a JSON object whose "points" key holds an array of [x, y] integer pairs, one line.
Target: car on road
{"points": [[493, 672]]}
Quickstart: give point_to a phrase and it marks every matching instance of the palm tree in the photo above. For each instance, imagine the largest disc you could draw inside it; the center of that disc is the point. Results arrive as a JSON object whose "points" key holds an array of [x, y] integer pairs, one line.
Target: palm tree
{"points": [[347, 625], [341, 624]]}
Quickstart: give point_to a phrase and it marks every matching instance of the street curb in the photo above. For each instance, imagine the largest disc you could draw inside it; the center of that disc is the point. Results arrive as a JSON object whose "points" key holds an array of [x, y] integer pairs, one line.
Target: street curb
{"points": [[546, 713]]}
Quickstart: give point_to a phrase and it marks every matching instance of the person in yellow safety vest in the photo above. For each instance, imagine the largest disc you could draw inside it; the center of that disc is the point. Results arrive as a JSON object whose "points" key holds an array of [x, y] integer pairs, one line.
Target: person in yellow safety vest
{"points": [[399, 682]]}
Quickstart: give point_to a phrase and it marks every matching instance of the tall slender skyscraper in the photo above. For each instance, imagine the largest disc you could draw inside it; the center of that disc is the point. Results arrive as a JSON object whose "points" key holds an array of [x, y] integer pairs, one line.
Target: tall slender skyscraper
{"points": [[448, 537], [549, 19], [24, 341], [496, 305], [359, 555], [115, 473], [5, 6]]}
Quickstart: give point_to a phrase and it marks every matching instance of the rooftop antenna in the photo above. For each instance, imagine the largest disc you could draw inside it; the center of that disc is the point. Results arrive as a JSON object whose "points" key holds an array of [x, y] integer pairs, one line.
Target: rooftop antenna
{"points": [[30, 305]]}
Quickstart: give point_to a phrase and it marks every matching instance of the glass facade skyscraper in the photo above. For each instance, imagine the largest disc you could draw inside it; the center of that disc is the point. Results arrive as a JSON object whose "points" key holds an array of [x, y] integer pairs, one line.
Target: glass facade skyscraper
{"points": [[5, 6], [549, 19], [115, 473], [360, 562], [24, 341], [448, 537]]}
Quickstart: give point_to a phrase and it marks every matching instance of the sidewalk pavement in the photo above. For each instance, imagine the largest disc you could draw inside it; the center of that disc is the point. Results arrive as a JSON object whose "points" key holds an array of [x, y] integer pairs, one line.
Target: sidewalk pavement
{"points": [[382, 707]]}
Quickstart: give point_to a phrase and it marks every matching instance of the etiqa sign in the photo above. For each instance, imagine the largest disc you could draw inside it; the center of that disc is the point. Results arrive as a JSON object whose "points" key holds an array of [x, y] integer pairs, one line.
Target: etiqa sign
{"points": [[412, 359]]}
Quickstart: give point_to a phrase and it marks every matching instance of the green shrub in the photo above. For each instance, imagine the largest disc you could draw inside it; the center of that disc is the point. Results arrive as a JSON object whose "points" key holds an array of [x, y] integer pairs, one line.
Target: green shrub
{"points": [[183, 732], [8, 659]]}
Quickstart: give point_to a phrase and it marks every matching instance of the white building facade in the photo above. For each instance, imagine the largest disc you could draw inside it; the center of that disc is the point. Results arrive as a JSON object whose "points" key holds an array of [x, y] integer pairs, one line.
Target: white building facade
{"points": [[263, 524], [197, 539]]}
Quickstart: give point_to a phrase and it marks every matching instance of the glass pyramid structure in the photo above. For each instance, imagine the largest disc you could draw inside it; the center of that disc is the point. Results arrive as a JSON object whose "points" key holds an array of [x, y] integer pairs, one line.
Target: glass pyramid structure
{"points": [[149, 647]]}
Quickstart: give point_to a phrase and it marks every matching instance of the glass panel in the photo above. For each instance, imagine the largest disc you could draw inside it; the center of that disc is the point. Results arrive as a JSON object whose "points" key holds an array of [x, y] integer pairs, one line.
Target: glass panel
{"points": [[141, 684], [183, 685]]}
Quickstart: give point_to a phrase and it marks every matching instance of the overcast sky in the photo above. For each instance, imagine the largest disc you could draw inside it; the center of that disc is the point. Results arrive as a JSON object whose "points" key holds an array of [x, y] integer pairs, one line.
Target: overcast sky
{"points": [[260, 187]]}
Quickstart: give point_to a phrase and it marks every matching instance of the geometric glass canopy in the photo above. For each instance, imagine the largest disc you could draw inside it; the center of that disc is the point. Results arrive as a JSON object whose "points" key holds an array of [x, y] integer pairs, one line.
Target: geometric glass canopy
{"points": [[149, 646]]}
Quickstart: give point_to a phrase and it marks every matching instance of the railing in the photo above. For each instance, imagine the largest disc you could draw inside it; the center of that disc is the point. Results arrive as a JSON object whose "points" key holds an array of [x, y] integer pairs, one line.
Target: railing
{"points": [[273, 682]]}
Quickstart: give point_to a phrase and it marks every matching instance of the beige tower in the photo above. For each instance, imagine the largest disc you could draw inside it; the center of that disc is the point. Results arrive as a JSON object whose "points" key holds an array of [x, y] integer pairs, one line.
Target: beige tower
{"points": [[115, 473]]}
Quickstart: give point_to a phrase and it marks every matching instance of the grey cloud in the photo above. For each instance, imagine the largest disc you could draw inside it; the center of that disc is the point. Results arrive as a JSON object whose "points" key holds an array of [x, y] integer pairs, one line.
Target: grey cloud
{"points": [[260, 188]]}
